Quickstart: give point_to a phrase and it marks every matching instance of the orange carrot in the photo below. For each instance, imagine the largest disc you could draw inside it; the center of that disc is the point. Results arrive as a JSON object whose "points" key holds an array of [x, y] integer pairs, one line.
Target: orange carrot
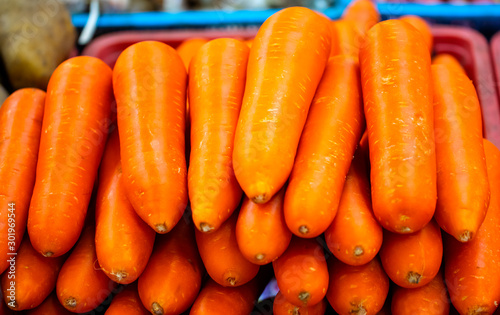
{"points": [[50, 306], [249, 42], [422, 26], [127, 302], [282, 307], [188, 49], [363, 12], [30, 277], [431, 299], [349, 38], [335, 44], [261, 231], [357, 289], [471, 269], [216, 299], [221, 256], [463, 190], [150, 97], [81, 285], [123, 241], [172, 279], [448, 61], [20, 127], [355, 236], [398, 106], [302, 273], [412, 260], [74, 131], [321, 165], [216, 84], [292, 45]]}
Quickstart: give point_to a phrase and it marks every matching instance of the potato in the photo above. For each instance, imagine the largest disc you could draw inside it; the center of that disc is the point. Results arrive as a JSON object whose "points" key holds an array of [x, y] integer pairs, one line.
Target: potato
{"points": [[35, 37]]}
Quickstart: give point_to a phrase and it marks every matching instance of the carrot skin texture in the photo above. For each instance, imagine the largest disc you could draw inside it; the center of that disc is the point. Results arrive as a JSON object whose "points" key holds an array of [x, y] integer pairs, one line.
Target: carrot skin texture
{"points": [[321, 165], [76, 118], [127, 302], [123, 241], [261, 231], [34, 277], [50, 306], [81, 285], [399, 115], [463, 189], [172, 278], [216, 86], [302, 272], [348, 38], [221, 256], [357, 289], [150, 96], [471, 269], [20, 128], [215, 298], [188, 49], [421, 26], [282, 307], [449, 61], [293, 44], [431, 299], [364, 13], [355, 236], [412, 260]]}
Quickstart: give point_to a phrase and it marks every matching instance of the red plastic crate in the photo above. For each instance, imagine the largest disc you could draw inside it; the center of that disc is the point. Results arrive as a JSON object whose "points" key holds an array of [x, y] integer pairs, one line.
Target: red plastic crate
{"points": [[467, 45]]}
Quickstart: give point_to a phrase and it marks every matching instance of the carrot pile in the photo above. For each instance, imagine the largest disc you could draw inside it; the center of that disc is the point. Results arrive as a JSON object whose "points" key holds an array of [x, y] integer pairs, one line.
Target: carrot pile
{"points": [[337, 157]]}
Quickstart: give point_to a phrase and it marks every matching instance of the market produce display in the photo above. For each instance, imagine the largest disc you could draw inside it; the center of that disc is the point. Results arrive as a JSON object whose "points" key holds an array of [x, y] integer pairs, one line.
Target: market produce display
{"points": [[335, 158]]}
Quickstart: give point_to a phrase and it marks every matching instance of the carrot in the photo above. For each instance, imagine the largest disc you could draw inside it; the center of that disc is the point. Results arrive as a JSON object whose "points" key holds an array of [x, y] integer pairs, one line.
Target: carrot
{"points": [[20, 127], [30, 277], [221, 256], [302, 273], [81, 285], [412, 260], [292, 45], [150, 97], [335, 46], [261, 231], [463, 190], [214, 299], [349, 38], [363, 12], [50, 306], [357, 289], [172, 279], [321, 165], [216, 84], [471, 269], [422, 26], [249, 42], [448, 61], [74, 131], [123, 241], [398, 106], [282, 307], [188, 49], [431, 299], [355, 236], [127, 302]]}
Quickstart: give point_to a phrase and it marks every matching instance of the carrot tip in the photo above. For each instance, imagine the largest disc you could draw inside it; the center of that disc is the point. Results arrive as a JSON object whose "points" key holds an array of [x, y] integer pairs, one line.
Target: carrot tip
{"points": [[260, 198], [479, 310], [260, 256], [358, 309], [205, 227], [303, 229], [119, 276], [413, 277], [161, 228], [358, 251], [304, 296], [231, 281], [295, 311], [405, 229], [48, 254], [465, 236], [156, 309], [70, 302]]}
